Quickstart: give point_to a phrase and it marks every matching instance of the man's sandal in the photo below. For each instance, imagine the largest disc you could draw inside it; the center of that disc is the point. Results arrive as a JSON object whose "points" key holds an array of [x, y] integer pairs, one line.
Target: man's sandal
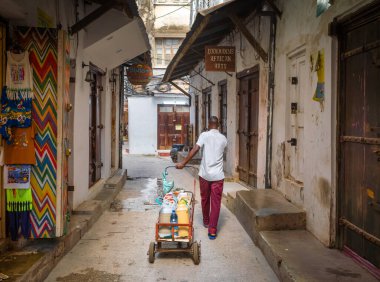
{"points": [[211, 236]]}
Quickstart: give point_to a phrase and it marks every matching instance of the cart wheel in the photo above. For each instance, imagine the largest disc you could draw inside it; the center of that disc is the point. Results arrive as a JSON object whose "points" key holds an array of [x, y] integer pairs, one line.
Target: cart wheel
{"points": [[151, 252], [196, 253]]}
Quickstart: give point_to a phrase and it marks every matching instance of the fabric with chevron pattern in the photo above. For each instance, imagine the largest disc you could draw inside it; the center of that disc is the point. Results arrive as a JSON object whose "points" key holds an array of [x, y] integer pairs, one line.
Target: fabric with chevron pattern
{"points": [[42, 45]]}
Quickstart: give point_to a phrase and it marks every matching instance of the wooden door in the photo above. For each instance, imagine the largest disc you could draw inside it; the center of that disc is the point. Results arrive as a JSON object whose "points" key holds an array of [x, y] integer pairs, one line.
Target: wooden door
{"points": [[359, 120], [296, 88], [95, 128], [248, 127], [172, 124]]}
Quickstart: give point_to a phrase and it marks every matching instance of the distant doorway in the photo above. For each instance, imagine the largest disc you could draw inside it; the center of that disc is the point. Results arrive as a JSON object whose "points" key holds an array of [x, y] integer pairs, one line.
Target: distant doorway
{"points": [[172, 124]]}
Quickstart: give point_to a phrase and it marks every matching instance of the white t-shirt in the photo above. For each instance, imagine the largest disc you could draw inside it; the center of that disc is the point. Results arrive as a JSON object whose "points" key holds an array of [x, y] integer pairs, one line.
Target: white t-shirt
{"points": [[213, 144]]}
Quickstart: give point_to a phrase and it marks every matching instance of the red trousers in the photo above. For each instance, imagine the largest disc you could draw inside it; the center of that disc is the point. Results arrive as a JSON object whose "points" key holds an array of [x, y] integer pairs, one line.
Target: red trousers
{"points": [[211, 194]]}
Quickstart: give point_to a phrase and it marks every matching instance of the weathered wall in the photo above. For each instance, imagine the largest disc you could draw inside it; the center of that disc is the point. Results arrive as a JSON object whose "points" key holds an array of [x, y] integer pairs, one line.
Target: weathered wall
{"points": [[171, 18], [299, 30], [142, 122], [246, 58]]}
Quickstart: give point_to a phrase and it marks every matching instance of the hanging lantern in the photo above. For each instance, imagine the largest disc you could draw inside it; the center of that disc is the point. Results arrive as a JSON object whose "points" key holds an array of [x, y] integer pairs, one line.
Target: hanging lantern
{"points": [[139, 74]]}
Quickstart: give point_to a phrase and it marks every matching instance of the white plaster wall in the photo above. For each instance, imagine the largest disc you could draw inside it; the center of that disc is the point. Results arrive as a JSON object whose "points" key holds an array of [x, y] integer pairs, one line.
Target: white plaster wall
{"points": [[246, 58], [81, 130], [300, 28], [179, 17], [80, 155], [142, 122]]}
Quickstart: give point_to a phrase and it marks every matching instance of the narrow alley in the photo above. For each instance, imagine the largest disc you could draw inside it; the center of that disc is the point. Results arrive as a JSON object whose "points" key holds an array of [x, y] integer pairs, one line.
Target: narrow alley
{"points": [[115, 249], [275, 102]]}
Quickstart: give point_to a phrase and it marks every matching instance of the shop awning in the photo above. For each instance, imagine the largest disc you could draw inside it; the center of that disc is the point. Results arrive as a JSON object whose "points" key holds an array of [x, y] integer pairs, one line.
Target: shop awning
{"points": [[210, 27], [115, 33]]}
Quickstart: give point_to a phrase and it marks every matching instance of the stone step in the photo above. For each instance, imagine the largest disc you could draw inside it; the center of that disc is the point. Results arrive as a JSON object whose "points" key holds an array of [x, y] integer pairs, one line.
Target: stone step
{"points": [[117, 180], [230, 189], [266, 209], [295, 255]]}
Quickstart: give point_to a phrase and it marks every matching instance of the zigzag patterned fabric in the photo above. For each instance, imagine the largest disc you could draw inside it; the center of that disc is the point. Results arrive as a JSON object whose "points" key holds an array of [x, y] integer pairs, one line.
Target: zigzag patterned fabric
{"points": [[42, 44]]}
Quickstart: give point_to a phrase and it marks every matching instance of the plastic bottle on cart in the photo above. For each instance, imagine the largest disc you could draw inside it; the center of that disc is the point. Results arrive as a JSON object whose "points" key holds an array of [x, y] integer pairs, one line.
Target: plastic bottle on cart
{"points": [[174, 219]]}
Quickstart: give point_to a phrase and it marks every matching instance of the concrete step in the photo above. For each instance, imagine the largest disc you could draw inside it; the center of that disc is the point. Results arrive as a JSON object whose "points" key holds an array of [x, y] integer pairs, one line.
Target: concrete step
{"points": [[229, 194], [117, 180], [295, 255], [266, 209]]}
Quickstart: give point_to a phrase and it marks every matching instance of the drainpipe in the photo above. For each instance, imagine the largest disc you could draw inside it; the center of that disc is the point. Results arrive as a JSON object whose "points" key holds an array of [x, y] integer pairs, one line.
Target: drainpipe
{"points": [[271, 63]]}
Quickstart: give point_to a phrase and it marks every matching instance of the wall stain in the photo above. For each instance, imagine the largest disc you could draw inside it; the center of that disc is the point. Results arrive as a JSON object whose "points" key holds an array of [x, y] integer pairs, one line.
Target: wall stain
{"points": [[324, 191]]}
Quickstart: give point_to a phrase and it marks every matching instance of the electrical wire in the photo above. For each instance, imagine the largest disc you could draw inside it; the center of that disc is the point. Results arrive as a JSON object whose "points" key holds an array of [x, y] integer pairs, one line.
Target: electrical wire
{"points": [[183, 6]]}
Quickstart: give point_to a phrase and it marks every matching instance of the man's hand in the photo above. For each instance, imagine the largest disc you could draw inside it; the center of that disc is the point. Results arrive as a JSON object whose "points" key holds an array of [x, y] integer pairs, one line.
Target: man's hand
{"points": [[191, 154], [179, 166]]}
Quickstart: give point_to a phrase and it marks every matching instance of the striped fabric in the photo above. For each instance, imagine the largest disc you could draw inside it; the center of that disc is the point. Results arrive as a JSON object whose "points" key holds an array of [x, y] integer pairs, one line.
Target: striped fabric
{"points": [[42, 45]]}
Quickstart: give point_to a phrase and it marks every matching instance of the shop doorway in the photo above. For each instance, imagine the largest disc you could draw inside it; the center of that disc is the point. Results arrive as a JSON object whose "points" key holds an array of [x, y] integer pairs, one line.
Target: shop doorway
{"points": [[172, 125], [95, 127], [248, 125], [359, 135]]}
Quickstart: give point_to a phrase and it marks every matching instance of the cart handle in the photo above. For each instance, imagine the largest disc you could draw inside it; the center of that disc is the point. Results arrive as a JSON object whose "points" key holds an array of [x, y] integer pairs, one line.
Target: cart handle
{"points": [[173, 166]]}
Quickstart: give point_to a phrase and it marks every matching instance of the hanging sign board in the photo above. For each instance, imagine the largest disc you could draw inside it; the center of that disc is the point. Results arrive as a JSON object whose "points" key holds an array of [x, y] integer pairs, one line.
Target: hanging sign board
{"points": [[220, 58], [139, 74]]}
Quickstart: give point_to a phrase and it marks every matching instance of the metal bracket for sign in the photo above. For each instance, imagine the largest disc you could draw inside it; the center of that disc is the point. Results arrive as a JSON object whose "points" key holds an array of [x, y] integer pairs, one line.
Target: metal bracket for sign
{"points": [[182, 90], [251, 39], [191, 85], [205, 78]]}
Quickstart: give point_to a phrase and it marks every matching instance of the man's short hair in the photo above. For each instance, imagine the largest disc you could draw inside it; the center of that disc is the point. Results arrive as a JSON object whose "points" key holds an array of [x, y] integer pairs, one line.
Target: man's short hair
{"points": [[214, 120]]}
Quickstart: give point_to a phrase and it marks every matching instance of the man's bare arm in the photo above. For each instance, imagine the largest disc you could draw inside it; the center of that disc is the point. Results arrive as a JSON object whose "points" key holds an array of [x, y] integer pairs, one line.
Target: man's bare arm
{"points": [[188, 158]]}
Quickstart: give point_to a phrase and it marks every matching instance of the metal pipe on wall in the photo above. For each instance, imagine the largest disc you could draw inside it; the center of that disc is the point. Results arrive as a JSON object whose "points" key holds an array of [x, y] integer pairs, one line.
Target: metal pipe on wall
{"points": [[270, 105]]}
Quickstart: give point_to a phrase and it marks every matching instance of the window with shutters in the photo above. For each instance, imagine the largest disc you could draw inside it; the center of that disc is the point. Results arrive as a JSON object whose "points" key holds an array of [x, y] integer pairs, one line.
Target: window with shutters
{"points": [[165, 50]]}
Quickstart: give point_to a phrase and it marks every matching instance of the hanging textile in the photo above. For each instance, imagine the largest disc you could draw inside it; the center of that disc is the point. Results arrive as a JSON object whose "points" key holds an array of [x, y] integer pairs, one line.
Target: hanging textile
{"points": [[17, 95], [19, 205], [19, 200], [20, 149]]}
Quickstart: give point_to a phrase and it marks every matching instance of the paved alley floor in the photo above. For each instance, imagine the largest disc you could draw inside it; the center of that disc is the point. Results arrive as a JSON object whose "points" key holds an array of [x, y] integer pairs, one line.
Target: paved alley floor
{"points": [[115, 249]]}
